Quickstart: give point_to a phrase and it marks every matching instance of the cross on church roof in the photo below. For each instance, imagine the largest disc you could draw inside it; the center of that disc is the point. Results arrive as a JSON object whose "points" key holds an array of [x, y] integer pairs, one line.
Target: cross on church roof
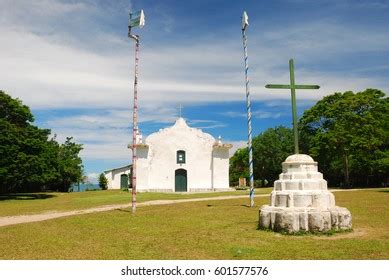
{"points": [[292, 86], [180, 111]]}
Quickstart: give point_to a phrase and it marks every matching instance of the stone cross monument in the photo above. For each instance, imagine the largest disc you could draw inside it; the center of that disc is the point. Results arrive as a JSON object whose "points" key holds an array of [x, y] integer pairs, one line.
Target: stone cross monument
{"points": [[300, 200]]}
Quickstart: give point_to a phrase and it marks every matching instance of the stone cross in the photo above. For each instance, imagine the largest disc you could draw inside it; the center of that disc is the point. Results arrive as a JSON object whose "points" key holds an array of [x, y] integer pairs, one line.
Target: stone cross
{"points": [[292, 86]]}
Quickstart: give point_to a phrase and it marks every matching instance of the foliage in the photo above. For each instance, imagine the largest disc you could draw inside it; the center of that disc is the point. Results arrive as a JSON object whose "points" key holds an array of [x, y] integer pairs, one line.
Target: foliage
{"points": [[103, 182], [241, 188], [69, 164], [31, 160], [348, 134], [239, 166], [270, 149]]}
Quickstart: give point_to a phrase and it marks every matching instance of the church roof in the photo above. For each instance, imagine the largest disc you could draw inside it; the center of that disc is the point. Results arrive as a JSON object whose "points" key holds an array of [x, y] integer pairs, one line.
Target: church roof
{"points": [[180, 122], [113, 169], [180, 126]]}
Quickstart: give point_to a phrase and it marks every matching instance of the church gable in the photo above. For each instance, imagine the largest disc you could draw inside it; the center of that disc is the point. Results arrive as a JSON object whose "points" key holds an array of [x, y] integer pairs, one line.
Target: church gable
{"points": [[181, 131], [181, 158]]}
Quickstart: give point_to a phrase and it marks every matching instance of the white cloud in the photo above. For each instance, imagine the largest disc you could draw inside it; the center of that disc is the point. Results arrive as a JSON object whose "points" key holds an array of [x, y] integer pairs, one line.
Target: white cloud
{"points": [[206, 124], [47, 74], [236, 145], [93, 177], [106, 134], [56, 54], [258, 114]]}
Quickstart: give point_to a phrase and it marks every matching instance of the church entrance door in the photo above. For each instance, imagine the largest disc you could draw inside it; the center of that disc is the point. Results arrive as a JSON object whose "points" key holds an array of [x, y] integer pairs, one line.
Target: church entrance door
{"points": [[181, 180], [123, 181]]}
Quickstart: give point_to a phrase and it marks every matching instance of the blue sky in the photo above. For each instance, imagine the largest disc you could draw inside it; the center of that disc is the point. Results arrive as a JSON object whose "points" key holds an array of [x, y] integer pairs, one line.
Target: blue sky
{"points": [[72, 63]]}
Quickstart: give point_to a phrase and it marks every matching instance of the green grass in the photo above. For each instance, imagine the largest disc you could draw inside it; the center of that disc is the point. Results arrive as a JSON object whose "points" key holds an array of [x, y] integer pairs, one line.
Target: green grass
{"points": [[225, 229], [20, 204]]}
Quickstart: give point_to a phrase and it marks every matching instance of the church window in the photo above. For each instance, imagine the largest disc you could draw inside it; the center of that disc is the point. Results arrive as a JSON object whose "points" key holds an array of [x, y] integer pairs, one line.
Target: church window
{"points": [[180, 156]]}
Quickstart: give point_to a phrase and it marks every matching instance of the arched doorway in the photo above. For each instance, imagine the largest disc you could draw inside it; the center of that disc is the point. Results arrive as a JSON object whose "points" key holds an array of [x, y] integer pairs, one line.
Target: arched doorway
{"points": [[181, 181], [123, 181]]}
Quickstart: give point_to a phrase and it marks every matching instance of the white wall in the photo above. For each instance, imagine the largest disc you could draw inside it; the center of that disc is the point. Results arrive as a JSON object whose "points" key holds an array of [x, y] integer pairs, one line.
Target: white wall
{"points": [[220, 162], [142, 169], [157, 163], [113, 177]]}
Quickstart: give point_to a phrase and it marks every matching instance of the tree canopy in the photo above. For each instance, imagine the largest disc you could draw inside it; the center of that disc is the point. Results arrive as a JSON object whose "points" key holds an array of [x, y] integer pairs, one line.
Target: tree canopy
{"points": [[32, 160], [348, 134], [103, 182], [270, 148]]}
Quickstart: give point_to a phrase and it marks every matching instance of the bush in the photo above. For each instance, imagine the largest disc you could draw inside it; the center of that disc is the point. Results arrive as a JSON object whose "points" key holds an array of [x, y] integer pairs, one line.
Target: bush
{"points": [[103, 182]]}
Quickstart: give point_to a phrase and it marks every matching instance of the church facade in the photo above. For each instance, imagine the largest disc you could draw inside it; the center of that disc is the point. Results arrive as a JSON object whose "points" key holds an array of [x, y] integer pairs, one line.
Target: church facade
{"points": [[181, 159]]}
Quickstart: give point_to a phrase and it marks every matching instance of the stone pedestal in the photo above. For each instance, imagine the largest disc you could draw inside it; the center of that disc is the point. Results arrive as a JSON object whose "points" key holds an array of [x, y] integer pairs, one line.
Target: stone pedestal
{"points": [[300, 200]]}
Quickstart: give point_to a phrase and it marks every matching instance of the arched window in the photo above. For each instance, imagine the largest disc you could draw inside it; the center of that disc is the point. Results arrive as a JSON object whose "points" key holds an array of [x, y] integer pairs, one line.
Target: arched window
{"points": [[180, 156]]}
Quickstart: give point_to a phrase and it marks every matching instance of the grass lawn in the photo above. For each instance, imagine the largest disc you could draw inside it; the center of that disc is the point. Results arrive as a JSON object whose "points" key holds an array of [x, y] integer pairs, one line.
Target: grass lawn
{"points": [[20, 204], [225, 229]]}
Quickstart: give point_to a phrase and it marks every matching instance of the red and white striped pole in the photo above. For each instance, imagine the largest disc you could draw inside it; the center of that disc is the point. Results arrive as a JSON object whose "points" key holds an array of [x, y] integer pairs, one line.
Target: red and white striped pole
{"points": [[135, 124], [136, 19]]}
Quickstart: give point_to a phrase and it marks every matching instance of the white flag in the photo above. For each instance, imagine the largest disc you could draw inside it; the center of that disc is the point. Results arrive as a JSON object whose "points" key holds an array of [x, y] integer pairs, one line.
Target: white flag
{"points": [[245, 20], [137, 19]]}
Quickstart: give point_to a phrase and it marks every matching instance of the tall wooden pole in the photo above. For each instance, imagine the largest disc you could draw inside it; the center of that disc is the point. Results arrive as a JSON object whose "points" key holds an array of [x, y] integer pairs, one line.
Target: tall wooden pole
{"points": [[135, 124], [248, 105], [136, 19]]}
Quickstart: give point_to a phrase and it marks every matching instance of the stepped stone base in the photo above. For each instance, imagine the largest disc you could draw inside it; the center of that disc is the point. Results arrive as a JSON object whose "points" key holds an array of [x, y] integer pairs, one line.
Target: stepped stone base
{"points": [[304, 219], [301, 201]]}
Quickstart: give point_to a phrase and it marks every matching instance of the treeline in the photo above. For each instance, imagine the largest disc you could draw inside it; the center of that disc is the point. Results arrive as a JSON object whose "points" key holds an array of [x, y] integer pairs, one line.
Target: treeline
{"points": [[346, 133], [31, 160]]}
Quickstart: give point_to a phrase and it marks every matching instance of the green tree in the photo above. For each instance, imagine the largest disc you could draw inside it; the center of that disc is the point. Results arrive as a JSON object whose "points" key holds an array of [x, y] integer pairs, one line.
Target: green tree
{"points": [[30, 160], [24, 148], [348, 134], [270, 149], [103, 182], [14, 112], [239, 166], [69, 164]]}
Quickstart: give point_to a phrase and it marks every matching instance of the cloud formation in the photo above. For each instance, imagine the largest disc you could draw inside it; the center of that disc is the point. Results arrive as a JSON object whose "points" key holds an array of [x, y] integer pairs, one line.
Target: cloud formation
{"points": [[66, 55]]}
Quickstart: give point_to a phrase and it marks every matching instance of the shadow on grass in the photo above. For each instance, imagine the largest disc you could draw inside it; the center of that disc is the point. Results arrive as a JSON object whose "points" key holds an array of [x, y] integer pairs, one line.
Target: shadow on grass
{"points": [[384, 191], [305, 233], [245, 205], [25, 196], [124, 210], [233, 205]]}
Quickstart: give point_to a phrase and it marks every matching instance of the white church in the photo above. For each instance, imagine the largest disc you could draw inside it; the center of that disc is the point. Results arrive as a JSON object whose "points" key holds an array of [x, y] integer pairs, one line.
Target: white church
{"points": [[176, 159]]}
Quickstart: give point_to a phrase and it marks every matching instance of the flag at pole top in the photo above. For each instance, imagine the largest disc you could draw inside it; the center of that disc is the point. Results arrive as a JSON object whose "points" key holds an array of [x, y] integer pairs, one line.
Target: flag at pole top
{"points": [[137, 19], [245, 20]]}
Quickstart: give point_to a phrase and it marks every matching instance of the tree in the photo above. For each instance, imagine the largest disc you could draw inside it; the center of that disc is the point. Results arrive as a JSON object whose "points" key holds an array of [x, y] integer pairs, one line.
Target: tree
{"points": [[270, 149], [239, 166], [70, 164], [348, 134], [25, 158], [30, 160], [13, 111], [103, 182]]}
